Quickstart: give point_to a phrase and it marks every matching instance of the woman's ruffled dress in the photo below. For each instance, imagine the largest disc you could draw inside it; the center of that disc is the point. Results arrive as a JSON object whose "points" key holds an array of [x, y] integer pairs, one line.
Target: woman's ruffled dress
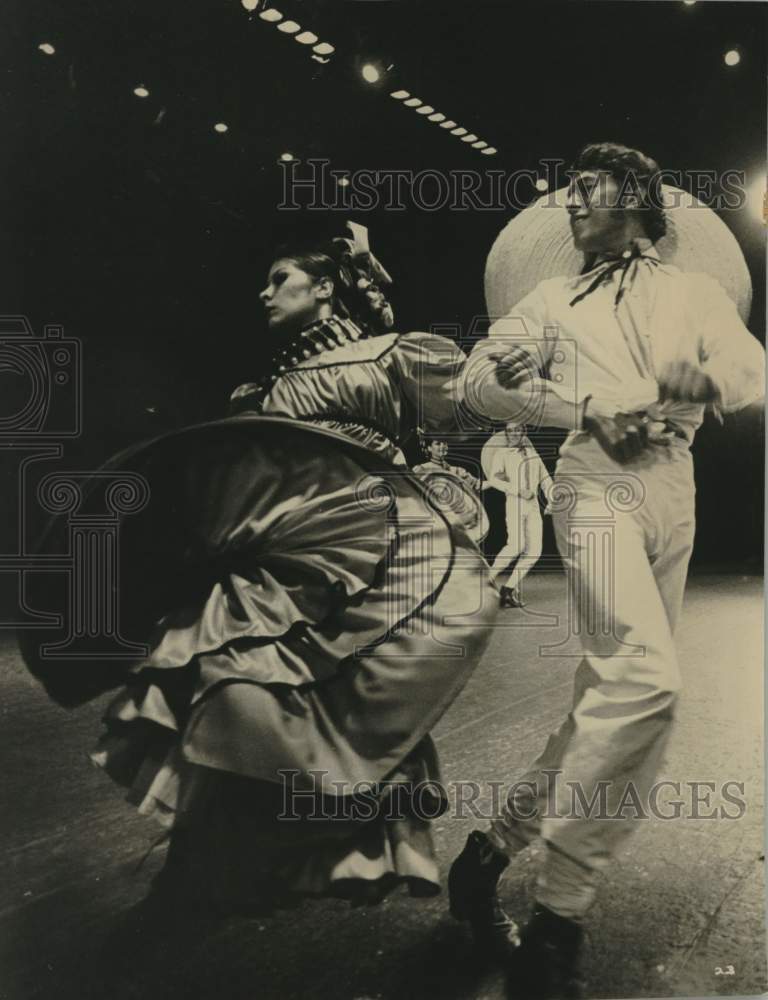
{"points": [[309, 617]]}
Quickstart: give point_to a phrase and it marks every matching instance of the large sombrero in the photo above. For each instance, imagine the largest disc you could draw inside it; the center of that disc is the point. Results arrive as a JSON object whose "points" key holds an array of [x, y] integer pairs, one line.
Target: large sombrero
{"points": [[537, 244]]}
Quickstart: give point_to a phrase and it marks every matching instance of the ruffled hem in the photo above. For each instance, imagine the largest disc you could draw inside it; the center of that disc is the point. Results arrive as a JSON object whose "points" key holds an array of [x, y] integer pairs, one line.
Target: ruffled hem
{"points": [[243, 843]]}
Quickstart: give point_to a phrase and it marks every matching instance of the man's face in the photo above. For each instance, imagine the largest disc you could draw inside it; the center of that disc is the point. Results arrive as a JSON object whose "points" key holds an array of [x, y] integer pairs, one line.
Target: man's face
{"points": [[597, 224], [514, 436]]}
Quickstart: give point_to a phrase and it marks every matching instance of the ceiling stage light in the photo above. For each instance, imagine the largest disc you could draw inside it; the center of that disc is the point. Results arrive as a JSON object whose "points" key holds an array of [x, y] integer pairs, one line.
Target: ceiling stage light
{"points": [[250, 4], [491, 151], [469, 138], [425, 109], [399, 95], [306, 38], [324, 49], [370, 73], [289, 27], [413, 102], [541, 185], [47, 48], [221, 128], [437, 117], [448, 124], [343, 182], [732, 58], [480, 144], [266, 15], [141, 91], [459, 131]]}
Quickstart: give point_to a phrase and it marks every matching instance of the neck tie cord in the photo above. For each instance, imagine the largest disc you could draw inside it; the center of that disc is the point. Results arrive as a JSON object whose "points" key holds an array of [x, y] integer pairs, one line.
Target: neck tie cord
{"points": [[622, 264]]}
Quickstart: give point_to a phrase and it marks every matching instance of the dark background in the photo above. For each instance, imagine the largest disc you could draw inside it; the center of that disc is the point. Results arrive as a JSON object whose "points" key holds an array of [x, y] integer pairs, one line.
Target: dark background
{"points": [[147, 235]]}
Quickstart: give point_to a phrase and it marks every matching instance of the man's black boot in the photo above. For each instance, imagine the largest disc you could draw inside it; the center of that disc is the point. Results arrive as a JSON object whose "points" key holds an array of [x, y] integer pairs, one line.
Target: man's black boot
{"points": [[545, 966], [472, 883], [515, 599]]}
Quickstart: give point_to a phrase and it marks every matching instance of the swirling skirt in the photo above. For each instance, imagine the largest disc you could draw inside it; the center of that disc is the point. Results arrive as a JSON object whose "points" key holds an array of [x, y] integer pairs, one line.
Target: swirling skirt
{"points": [[308, 618]]}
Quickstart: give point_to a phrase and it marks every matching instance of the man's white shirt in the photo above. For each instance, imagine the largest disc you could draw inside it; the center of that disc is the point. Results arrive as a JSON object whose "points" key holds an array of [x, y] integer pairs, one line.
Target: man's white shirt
{"points": [[522, 469], [615, 353]]}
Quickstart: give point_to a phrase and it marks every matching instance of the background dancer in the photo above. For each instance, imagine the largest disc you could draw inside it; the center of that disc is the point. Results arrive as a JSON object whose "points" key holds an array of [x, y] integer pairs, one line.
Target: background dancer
{"points": [[455, 491], [518, 472]]}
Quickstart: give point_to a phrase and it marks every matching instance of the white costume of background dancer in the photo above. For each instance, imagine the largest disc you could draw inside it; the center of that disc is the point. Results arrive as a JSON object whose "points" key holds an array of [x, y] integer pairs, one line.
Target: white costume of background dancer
{"points": [[517, 471], [643, 332]]}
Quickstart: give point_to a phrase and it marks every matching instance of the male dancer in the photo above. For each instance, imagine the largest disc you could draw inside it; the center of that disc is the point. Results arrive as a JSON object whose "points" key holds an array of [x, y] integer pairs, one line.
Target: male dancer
{"points": [[519, 473], [659, 344]]}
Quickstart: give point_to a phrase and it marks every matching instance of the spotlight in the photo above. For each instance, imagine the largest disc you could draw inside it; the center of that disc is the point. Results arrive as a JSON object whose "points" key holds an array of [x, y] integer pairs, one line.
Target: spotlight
{"points": [[399, 95], [141, 91], [320, 59], [412, 102], [448, 124], [458, 131], [221, 128], [324, 49], [370, 73], [425, 109], [289, 27], [732, 58], [47, 48], [689, 3], [343, 182], [469, 138], [480, 144], [266, 15], [287, 157], [305, 38], [541, 185], [250, 4], [437, 117], [490, 151]]}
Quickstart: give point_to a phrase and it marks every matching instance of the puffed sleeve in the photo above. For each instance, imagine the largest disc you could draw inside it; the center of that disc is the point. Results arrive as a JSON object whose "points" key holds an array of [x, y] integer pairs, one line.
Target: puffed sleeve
{"points": [[429, 371], [730, 355], [527, 328]]}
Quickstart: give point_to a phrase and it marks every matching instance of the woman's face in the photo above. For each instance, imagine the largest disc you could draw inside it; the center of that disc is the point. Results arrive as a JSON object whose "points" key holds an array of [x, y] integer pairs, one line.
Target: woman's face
{"points": [[293, 298], [437, 450], [514, 436]]}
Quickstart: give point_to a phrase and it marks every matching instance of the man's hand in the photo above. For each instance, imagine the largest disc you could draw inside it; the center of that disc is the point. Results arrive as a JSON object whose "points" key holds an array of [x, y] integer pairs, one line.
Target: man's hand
{"points": [[623, 436], [686, 382], [514, 367]]}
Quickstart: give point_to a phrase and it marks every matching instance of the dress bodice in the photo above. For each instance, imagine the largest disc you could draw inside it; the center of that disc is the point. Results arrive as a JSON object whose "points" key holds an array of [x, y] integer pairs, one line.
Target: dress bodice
{"points": [[374, 390]]}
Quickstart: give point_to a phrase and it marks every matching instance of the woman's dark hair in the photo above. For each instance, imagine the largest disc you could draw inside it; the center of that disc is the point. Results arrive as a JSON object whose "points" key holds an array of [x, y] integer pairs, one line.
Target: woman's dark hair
{"points": [[638, 172], [426, 440], [355, 295]]}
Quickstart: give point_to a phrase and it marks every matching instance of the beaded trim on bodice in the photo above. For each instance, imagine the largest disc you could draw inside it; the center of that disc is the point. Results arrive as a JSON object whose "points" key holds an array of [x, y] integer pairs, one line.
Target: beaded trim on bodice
{"points": [[318, 338]]}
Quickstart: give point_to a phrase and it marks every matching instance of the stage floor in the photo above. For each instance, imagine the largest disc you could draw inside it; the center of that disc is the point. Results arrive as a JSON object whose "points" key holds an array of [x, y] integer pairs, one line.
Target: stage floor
{"points": [[683, 905]]}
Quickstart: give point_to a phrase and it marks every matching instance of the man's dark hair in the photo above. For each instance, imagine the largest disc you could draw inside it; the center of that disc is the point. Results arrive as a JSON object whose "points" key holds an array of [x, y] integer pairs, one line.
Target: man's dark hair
{"points": [[634, 172]]}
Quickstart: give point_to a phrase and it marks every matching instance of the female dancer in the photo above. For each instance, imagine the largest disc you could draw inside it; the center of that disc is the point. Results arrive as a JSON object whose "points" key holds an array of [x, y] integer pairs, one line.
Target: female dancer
{"points": [[309, 615], [454, 491]]}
